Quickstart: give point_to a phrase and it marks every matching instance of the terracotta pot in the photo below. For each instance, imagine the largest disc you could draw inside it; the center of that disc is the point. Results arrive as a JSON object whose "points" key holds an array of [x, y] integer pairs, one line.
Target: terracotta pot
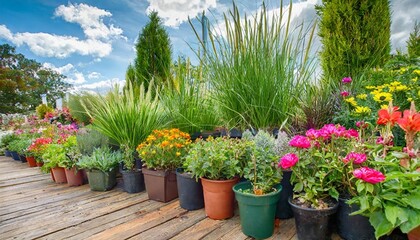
{"points": [[74, 177], [39, 163], [414, 234], [59, 175], [31, 161], [219, 198], [160, 184]]}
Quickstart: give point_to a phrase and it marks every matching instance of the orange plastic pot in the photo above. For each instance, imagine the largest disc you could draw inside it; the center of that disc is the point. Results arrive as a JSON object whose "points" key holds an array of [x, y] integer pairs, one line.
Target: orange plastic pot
{"points": [[31, 161], [59, 175], [219, 198], [74, 177], [414, 234]]}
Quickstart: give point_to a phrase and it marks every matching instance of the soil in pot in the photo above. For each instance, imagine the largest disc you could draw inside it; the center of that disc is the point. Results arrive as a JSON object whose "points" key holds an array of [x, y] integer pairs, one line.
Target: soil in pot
{"points": [[31, 161], [59, 175], [133, 181], [161, 185], [102, 181], [190, 191], [219, 198], [74, 177], [284, 210], [257, 212], [355, 227], [312, 224]]}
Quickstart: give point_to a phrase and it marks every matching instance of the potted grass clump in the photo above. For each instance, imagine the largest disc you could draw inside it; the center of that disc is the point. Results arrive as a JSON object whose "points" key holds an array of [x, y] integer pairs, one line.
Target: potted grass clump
{"points": [[101, 167], [258, 197], [162, 153], [219, 163]]}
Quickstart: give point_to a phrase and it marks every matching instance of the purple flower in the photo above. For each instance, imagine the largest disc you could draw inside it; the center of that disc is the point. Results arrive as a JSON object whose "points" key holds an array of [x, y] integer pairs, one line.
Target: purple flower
{"points": [[289, 160], [300, 141], [346, 80]]}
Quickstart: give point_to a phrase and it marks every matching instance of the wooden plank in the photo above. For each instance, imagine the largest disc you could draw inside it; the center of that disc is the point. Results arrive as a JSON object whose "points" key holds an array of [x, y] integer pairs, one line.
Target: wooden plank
{"points": [[199, 230], [222, 229]]}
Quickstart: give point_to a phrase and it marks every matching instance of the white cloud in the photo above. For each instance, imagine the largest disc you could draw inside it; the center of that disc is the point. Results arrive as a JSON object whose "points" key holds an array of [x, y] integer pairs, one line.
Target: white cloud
{"points": [[404, 14], [62, 70], [175, 12], [99, 36], [73, 76], [101, 86], [94, 75]]}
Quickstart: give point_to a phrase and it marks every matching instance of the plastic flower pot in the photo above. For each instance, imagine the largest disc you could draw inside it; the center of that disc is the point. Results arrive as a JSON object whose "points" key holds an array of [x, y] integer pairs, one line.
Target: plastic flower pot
{"points": [[133, 181], [31, 161], [160, 184], [59, 175], [22, 158], [15, 155], [414, 234], [102, 181], [74, 177], [284, 210], [257, 212], [7, 153], [219, 198], [312, 224], [190, 191], [353, 227]]}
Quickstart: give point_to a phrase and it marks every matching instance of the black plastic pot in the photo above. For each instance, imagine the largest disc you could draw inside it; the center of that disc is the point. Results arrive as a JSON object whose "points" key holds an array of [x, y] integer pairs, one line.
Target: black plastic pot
{"points": [[355, 227], [22, 158], [7, 153], [133, 181], [15, 155], [284, 210], [190, 192], [312, 224]]}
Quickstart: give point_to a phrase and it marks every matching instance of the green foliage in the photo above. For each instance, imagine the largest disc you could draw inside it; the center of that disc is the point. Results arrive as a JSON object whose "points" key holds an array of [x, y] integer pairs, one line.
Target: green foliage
{"points": [[19, 145], [77, 110], [54, 155], [258, 69], [188, 104], [153, 58], [72, 152], [126, 118], [22, 81], [216, 159], [43, 109], [351, 37], [261, 169], [88, 139], [102, 159], [413, 43], [7, 139]]}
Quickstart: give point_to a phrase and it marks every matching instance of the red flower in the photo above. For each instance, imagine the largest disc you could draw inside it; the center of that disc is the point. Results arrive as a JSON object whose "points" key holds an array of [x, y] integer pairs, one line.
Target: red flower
{"points": [[369, 175], [344, 94], [289, 160], [410, 122], [390, 115], [300, 141]]}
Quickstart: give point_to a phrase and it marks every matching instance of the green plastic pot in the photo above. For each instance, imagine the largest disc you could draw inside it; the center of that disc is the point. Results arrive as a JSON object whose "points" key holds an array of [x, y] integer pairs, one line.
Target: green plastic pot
{"points": [[257, 212], [102, 181]]}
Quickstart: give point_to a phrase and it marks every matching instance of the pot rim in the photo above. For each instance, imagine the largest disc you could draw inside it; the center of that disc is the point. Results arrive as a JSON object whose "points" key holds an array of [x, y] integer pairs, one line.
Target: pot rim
{"points": [[215, 181], [313, 209], [278, 187]]}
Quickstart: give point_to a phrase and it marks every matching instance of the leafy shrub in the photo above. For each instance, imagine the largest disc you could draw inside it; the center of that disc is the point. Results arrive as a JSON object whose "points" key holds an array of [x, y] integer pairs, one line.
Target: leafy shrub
{"points": [[89, 139], [42, 110], [102, 159]]}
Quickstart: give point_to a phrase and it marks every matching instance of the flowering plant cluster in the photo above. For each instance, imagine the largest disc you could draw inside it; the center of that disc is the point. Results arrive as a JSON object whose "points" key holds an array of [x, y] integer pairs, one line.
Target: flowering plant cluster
{"points": [[164, 149], [395, 201], [38, 146], [325, 164]]}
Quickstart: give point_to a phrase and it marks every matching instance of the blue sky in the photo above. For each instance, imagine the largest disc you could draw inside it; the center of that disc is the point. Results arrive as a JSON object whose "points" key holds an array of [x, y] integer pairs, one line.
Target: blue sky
{"points": [[91, 42]]}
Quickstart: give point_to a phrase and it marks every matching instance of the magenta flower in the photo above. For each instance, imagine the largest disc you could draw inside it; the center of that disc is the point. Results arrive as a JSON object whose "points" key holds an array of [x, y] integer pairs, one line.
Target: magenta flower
{"points": [[346, 80], [344, 93], [312, 134], [369, 175], [300, 141], [289, 160], [357, 158], [352, 133]]}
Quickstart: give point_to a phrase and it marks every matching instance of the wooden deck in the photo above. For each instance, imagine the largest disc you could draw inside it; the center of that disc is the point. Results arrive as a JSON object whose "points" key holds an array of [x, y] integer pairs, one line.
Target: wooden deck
{"points": [[34, 207]]}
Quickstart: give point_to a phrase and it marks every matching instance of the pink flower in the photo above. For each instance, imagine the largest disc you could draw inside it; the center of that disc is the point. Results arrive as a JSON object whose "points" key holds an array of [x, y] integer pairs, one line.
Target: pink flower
{"points": [[369, 175], [352, 133], [289, 160], [361, 124], [300, 141], [357, 158], [312, 134], [344, 93], [346, 80]]}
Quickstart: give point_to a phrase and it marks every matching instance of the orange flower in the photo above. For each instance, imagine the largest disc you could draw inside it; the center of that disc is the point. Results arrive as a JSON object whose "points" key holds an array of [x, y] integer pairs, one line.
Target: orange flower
{"points": [[390, 115], [411, 120]]}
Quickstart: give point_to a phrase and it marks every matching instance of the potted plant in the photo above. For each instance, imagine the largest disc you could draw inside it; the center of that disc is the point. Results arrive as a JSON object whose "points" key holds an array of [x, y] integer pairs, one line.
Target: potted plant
{"points": [[127, 119], [21, 145], [37, 147], [73, 174], [101, 167], [5, 141], [14, 147], [54, 155], [219, 163], [162, 153], [389, 192], [258, 197], [316, 179]]}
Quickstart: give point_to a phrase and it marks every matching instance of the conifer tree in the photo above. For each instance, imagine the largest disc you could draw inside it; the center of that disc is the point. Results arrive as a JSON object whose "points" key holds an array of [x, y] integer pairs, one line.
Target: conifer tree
{"points": [[413, 43]]}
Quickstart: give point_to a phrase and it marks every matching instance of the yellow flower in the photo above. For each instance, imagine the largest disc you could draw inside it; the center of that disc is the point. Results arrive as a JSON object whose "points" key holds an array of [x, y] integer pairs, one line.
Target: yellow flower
{"points": [[401, 88], [409, 99], [352, 101], [395, 83], [143, 153], [362, 110], [414, 79], [384, 106], [417, 71], [370, 87], [403, 70], [382, 97], [362, 96], [178, 154]]}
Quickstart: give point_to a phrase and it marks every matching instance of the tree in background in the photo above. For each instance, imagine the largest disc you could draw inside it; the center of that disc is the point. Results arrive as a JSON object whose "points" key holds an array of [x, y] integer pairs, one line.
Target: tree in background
{"points": [[22, 81], [413, 43], [153, 60], [355, 35]]}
